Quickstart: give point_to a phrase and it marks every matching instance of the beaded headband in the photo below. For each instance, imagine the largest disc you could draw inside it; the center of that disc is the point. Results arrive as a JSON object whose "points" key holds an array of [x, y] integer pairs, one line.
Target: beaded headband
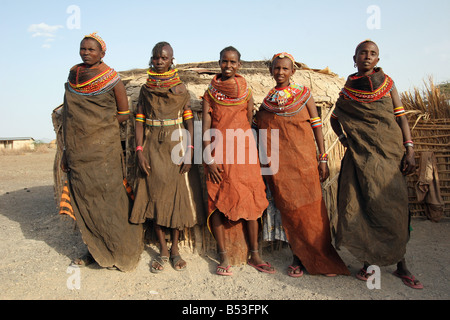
{"points": [[96, 37], [284, 55]]}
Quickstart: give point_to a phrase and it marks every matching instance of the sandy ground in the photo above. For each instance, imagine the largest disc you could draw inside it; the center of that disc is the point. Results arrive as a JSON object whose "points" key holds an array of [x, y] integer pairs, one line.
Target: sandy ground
{"points": [[37, 246]]}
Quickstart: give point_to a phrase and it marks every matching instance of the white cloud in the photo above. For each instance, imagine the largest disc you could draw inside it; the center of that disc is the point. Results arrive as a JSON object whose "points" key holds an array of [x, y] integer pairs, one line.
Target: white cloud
{"points": [[45, 31]]}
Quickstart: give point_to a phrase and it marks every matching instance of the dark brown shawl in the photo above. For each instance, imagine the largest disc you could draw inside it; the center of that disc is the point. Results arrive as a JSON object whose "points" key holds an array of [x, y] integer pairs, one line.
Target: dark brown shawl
{"points": [[372, 195], [97, 193]]}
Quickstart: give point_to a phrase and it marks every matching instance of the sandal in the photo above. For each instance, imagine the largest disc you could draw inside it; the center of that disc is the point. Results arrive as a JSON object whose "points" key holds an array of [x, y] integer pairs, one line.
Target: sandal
{"points": [[224, 271], [363, 275], [175, 262], [410, 281], [84, 261], [161, 261], [260, 267], [291, 271]]}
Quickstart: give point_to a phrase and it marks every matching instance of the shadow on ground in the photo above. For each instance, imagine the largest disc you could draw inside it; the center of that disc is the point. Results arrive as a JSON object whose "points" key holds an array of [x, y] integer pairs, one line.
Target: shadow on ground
{"points": [[36, 212]]}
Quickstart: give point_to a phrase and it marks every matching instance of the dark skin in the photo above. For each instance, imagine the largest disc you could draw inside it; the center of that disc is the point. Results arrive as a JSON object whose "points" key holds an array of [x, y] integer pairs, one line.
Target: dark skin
{"points": [[229, 64], [366, 58], [91, 54], [282, 70], [161, 63]]}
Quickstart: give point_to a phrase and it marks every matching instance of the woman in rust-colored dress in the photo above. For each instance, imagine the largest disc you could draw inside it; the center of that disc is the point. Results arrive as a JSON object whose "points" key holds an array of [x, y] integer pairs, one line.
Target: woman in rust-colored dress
{"points": [[289, 109], [236, 190]]}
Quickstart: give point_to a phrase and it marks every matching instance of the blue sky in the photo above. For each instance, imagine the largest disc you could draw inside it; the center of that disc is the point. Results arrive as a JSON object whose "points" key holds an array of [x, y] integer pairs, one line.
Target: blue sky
{"points": [[41, 39]]}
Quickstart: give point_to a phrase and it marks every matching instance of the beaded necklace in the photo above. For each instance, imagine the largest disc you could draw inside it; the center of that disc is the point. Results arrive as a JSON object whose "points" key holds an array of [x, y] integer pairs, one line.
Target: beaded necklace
{"points": [[286, 101], [215, 91], [365, 96], [167, 79], [98, 84]]}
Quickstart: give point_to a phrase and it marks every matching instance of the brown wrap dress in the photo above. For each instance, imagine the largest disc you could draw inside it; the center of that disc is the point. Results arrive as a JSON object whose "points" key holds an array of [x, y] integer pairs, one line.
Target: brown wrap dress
{"points": [[97, 193], [169, 198], [373, 213]]}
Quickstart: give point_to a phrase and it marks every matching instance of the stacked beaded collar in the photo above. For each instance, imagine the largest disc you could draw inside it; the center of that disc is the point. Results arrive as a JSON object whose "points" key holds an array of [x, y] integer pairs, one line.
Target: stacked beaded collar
{"points": [[92, 81], [231, 92], [286, 101], [368, 88], [167, 79]]}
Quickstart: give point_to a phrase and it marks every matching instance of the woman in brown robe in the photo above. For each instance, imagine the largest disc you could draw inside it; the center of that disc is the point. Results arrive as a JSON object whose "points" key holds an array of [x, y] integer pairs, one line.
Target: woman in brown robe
{"points": [[167, 192], [373, 219], [289, 109], [95, 102]]}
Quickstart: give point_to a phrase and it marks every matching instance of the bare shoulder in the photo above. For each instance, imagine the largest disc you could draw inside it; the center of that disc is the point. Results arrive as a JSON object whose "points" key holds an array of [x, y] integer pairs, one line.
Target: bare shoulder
{"points": [[179, 89]]}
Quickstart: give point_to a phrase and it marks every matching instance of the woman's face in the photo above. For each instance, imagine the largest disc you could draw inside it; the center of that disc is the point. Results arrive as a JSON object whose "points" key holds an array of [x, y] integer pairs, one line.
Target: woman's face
{"points": [[282, 71], [162, 62], [229, 64], [366, 58], [91, 52]]}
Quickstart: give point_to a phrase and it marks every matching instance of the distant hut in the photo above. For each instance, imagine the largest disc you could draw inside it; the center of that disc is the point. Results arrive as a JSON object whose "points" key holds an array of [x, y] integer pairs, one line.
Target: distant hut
{"points": [[17, 143]]}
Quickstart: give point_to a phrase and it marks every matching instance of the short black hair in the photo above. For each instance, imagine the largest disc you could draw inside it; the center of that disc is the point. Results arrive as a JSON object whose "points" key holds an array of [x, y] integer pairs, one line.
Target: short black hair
{"points": [[230, 48], [157, 49], [365, 41]]}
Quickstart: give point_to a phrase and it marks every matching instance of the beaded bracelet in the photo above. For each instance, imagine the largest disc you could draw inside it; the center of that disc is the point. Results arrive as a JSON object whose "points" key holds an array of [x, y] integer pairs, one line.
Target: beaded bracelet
{"points": [[188, 114], [323, 157], [400, 111], [140, 117], [316, 122], [123, 112], [139, 148], [254, 123], [408, 143]]}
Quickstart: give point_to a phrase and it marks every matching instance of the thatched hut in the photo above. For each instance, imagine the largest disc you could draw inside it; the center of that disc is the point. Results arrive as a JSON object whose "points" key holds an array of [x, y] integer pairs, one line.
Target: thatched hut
{"points": [[324, 85]]}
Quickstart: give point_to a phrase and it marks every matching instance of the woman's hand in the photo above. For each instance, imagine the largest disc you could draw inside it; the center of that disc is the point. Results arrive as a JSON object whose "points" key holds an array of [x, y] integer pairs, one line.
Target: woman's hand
{"points": [[214, 173], [408, 162], [186, 162], [324, 172], [184, 167], [143, 163]]}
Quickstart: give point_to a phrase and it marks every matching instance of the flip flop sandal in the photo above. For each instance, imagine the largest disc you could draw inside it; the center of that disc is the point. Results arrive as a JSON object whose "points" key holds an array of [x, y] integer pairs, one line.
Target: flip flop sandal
{"points": [[222, 271], [260, 266], [363, 275], [84, 261], [293, 274], [175, 260], [409, 281], [161, 261]]}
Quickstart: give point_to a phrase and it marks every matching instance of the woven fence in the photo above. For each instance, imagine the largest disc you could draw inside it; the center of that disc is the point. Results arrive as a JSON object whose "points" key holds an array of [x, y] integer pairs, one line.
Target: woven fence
{"points": [[428, 113]]}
